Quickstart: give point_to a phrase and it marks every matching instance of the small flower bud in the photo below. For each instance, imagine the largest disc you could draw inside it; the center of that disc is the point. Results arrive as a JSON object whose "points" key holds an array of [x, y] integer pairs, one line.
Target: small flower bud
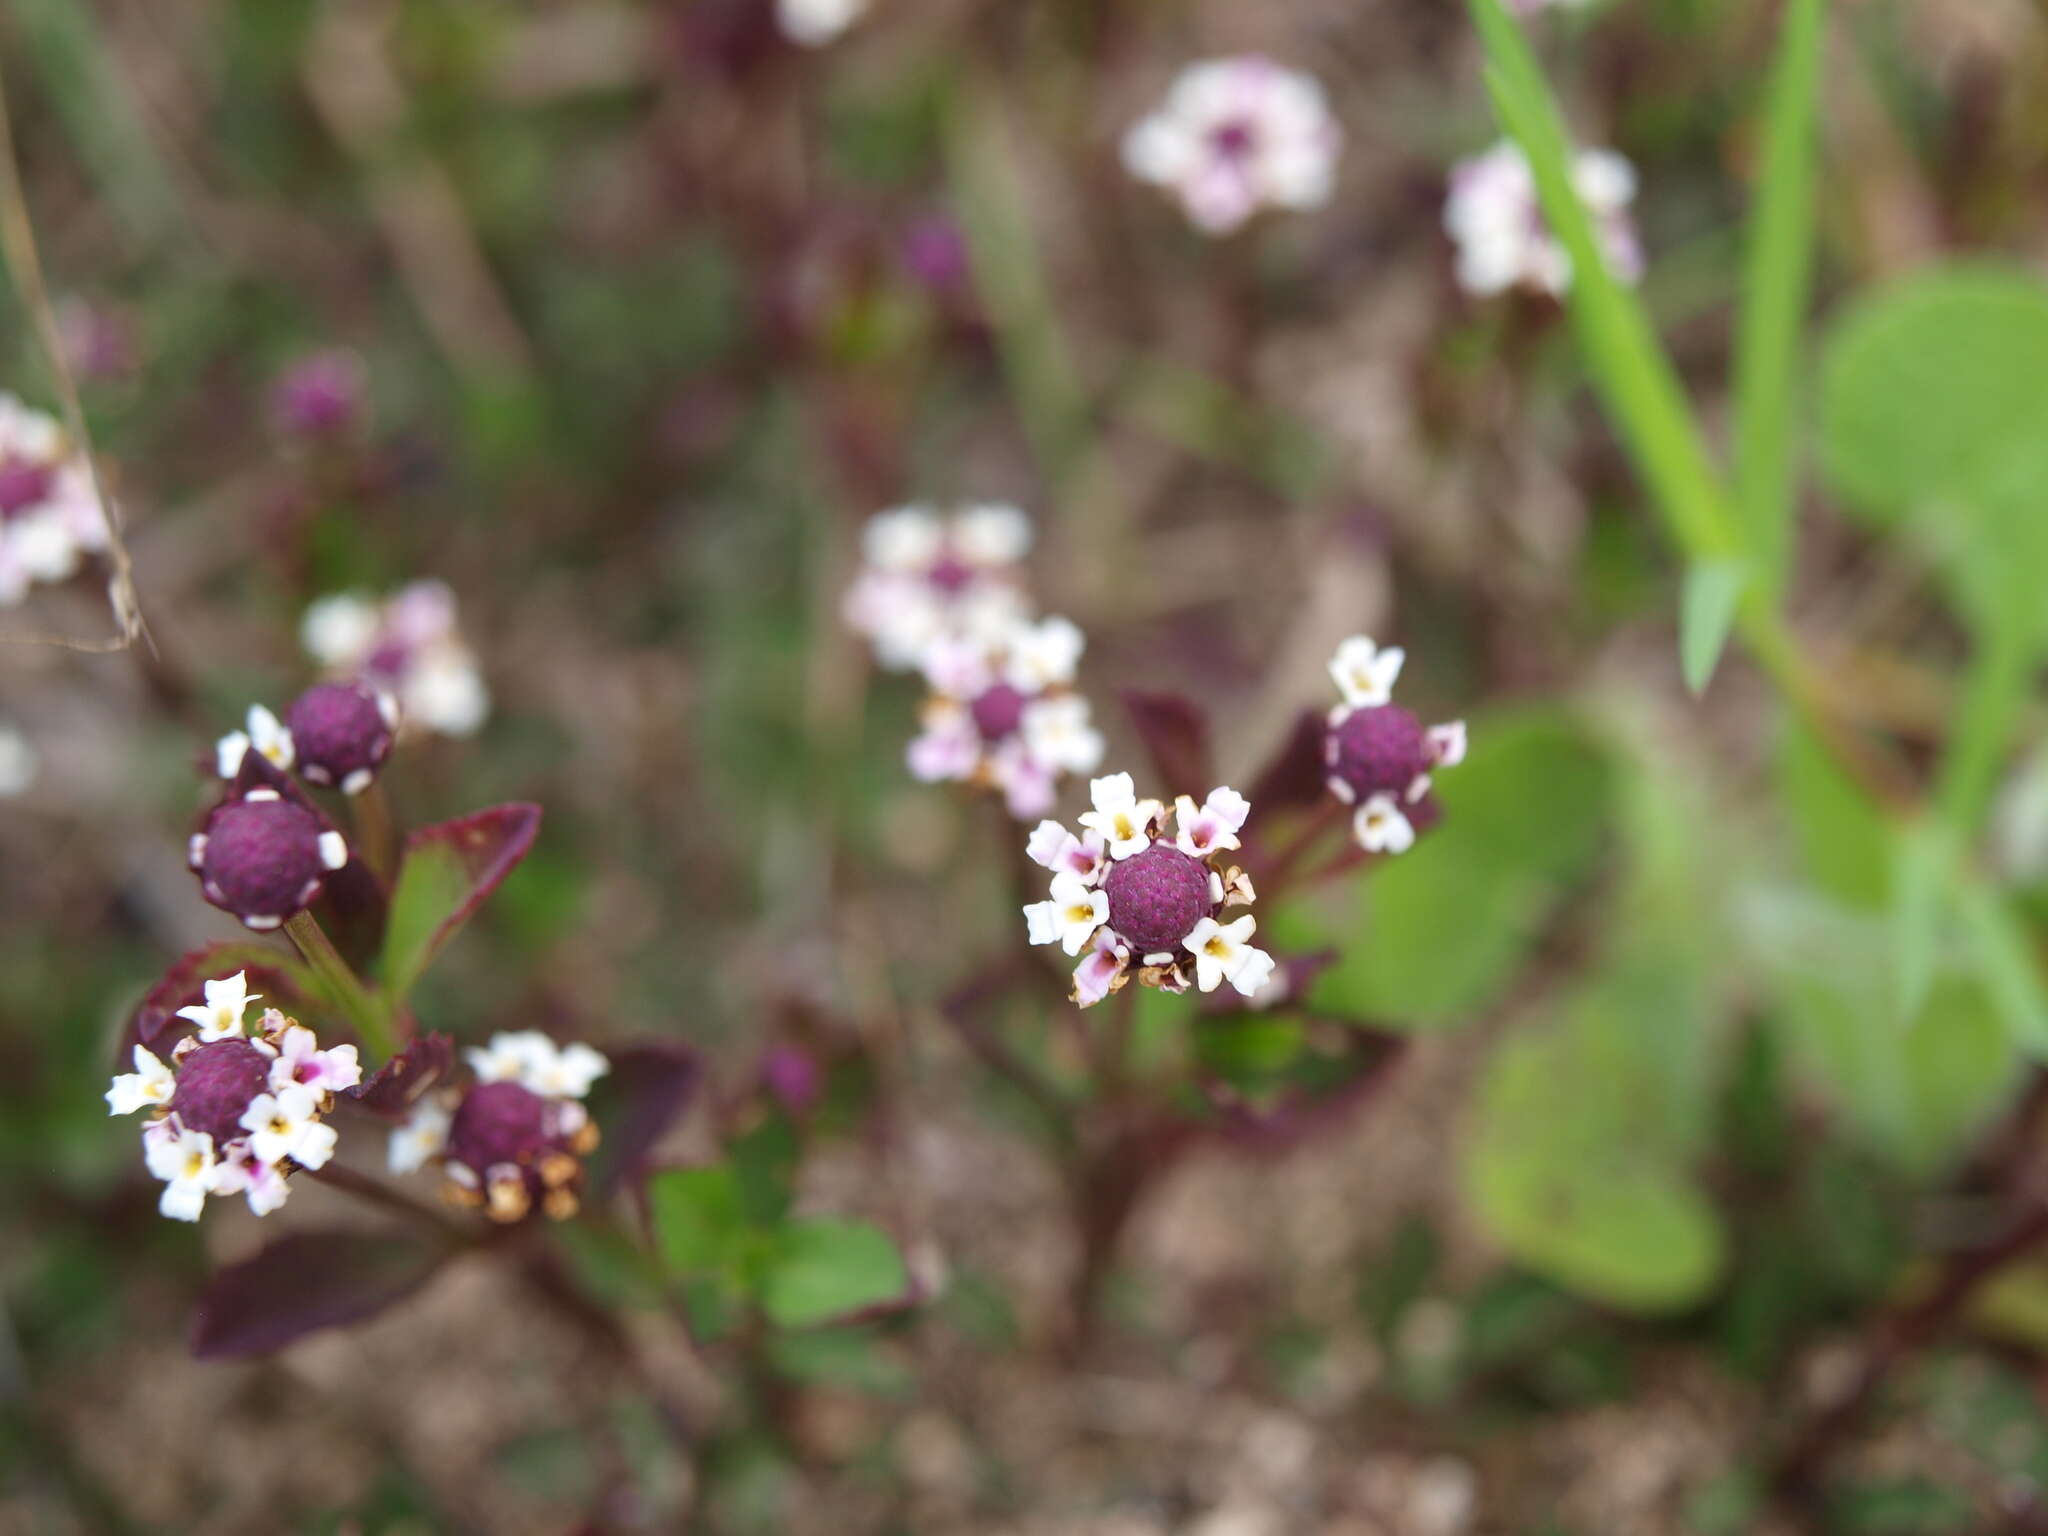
{"points": [[343, 733], [264, 858]]}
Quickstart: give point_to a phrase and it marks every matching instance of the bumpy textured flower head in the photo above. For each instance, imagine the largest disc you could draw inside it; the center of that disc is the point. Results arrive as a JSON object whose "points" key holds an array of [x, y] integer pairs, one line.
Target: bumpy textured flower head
{"points": [[410, 647], [342, 733], [1496, 220], [814, 23], [264, 858], [234, 1111], [49, 517], [1004, 716], [1235, 136], [320, 395], [1378, 755], [1133, 896], [515, 1139], [928, 577]]}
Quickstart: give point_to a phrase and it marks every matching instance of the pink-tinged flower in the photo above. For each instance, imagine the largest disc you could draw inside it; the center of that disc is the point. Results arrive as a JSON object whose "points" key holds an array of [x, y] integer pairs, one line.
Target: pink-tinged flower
{"points": [[1134, 895], [928, 578], [1495, 218], [516, 1138], [234, 1112], [266, 736], [409, 647], [1378, 756], [1000, 715], [1235, 136], [50, 519]]}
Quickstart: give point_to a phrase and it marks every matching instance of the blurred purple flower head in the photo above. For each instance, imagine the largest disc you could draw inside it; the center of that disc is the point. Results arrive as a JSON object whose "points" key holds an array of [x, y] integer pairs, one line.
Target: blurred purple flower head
{"points": [[322, 394], [792, 1076], [50, 519], [1495, 218], [1133, 896], [264, 858], [1378, 754], [515, 1140], [1235, 136], [929, 578], [410, 646], [1002, 714], [342, 733], [935, 254], [234, 1113]]}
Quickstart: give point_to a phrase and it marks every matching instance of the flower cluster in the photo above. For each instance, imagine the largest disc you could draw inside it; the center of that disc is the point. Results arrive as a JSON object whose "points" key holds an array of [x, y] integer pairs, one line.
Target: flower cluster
{"points": [[1235, 136], [235, 1112], [410, 647], [814, 23], [264, 855], [1495, 218], [515, 1139], [1378, 755], [928, 577], [336, 734], [1129, 893], [50, 518], [1003, 715]]}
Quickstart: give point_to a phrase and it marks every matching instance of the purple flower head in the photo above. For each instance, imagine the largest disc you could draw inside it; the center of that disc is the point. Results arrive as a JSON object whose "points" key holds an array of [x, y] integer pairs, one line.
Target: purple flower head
{"points": [[515, 1140], [264, 858], [342, 733], [935, 252], [1378, 755], [234, 1113], [320, 395], [1135, 897], [792, 1076]]}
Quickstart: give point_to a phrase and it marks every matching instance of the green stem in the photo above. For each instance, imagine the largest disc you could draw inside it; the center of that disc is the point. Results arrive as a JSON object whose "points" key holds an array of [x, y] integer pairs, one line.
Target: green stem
{"points": [[364, 1009], [1992, 694], [376, 838]]}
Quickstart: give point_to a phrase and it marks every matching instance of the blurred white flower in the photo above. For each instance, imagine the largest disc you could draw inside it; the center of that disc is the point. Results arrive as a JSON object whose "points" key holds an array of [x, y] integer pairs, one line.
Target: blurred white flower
{"points": [[814, 23], [411, 647], [1496, 220], [18, 763], [1235, 136], [49, 517], [929, 578]]}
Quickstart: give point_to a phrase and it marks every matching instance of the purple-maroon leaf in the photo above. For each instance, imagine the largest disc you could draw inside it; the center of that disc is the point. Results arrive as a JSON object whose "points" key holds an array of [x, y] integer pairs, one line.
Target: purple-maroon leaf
{"points": [[1294, 778], [305, 1282], [635, 1104], [270, 970], [396, 1086], [1176, 736], [448, 871]]}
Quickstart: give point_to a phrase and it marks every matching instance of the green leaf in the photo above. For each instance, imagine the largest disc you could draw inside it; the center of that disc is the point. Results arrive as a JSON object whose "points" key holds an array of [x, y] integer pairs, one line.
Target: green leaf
{"points": [[1777, 281], [1437, 933], [448, 872], [1706, 614], [699, 1217], [1922, 860], [1248, 1051], [2007, 963], [821, 1270], [1844, 837]]}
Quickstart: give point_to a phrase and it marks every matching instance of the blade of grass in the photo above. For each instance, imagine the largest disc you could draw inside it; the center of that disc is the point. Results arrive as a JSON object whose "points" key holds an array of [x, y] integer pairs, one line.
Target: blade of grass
{"points": [[2007, 962], [1777, 282], [1706, 613]]}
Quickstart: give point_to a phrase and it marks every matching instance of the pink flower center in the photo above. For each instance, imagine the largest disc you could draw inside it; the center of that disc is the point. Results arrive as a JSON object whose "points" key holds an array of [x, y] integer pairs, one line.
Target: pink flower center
{"points": [[949, 573], [1156, 897], [998, 712], [1234, 140], [23, 484]]}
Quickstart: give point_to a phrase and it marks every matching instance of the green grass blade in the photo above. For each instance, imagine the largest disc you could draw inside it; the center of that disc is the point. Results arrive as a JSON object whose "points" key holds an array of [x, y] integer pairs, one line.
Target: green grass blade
{"points": [[1777, 282], [1706, 613]]}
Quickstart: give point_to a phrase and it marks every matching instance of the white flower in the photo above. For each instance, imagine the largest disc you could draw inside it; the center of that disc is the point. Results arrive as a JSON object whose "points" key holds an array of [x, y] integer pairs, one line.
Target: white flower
{"points": [[903, 538], [1365, 672], [184, 1160], [17, 762], [1123, 820], [241, 1172], [1494, 216], [1381, 826], [150, 1083], [287, 1123], [50, 517], [1255, 978], [564, 1072], [992, 534], [813, 23], [1043, 655], [1447, 743], [300, 1060], [266, 733], [1223, 953], [446, 693], [1095, 977], [220, 1016], [1053, 846], [949, 747], [1071, 917], [509, 1055], [1026, 783], [1237, 135], [422, 1136], [338, 631], [1060, 734], [1213, 828]]}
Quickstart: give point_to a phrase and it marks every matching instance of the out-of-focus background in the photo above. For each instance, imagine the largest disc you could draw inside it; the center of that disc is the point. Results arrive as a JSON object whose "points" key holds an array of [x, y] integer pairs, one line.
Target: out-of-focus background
{"points": [[649, 307]]}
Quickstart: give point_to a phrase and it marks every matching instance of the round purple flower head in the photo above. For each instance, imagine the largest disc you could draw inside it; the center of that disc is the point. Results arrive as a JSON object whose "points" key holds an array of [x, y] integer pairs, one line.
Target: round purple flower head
{"points": [[516, 1139], [264, 858], [1378, 755], [342, 733], [1130, 894], [321, 394]]}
